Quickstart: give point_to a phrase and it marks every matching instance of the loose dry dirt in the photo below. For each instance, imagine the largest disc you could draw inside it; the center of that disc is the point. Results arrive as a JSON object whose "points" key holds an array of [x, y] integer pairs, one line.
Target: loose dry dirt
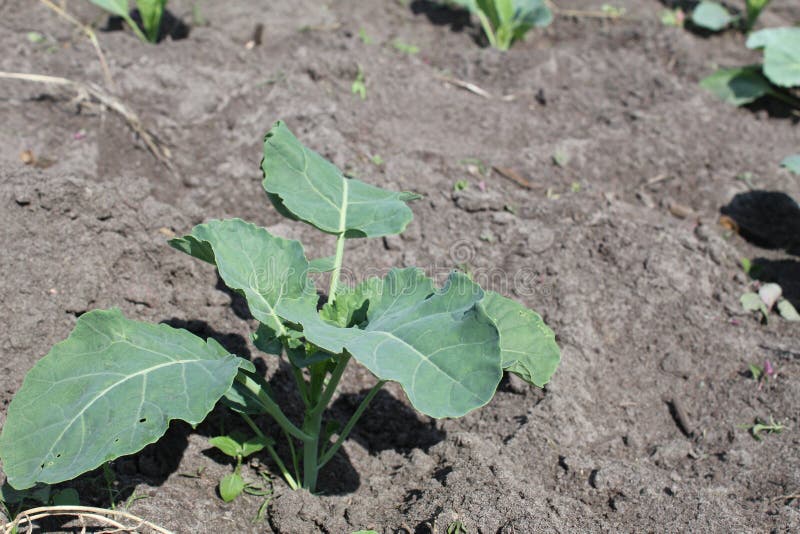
{"points": [[645, 304]]}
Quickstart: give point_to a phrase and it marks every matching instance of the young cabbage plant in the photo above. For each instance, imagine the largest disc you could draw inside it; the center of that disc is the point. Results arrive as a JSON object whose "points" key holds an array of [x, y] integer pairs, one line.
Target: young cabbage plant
{"points": [[715, 17], [507, 21], [150, 11], [114, 384], [779, 72]]}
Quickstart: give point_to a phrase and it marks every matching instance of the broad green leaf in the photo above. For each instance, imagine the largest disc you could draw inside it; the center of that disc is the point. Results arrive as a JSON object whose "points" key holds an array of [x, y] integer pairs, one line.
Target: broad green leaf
{"points": [[528, 347], [108, 390], [782, 60], [739, 85], [115, 7], [439, 345], [322, 265], [752, 302], [264, 268], [151, 12], [762, 38], [231, 486], [304, 185], [712, 16], [792, 163]]}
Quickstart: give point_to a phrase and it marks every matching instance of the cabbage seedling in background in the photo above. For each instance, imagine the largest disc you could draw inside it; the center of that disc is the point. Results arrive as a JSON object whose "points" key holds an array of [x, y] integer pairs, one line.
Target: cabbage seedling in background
{"points": [[507, 21], [150, 12], [715, 17], [114, 384], [780, 70]]}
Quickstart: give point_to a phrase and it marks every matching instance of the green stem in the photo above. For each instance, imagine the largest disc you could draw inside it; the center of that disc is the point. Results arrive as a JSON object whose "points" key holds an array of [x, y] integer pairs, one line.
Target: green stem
{"points": [[270, 407], [272, 452], [135, 28], [293, 452], [330, 387], [328, 455], [302, 385], [487, 28], [312, 425]]}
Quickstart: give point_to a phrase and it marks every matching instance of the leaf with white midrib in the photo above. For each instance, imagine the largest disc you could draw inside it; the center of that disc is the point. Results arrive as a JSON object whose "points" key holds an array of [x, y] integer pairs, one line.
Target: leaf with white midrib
{"points": [[108, 390], [304, 185], [417, 337]]}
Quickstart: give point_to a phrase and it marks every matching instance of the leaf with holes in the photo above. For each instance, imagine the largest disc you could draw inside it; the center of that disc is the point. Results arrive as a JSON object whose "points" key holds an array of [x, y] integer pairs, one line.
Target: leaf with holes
{"points": [[108, 390], [304, 185]]}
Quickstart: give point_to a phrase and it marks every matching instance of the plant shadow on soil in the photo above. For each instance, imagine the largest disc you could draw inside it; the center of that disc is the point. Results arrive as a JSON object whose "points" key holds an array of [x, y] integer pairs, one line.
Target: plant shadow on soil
{"points": [[770, 220]]}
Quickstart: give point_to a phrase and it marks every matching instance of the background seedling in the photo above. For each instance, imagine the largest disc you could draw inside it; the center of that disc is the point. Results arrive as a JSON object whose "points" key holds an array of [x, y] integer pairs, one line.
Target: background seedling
{"points": [[359, 86], [506, 21], [792, 163], [759, 427], [405, 48], [447, 347], [365, 38], [150, 12], [715, 17], [780, 70]]}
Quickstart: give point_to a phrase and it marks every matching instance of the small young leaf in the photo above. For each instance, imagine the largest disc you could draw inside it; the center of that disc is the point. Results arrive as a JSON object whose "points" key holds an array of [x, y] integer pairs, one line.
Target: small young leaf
{"points": [[108, 390], [739, 85], [304, 185], [752, 302], [712, 16], [528, 346], [67, 497], [788, 311], [227, 445], [231, 486], [237, 444], [792, 163]]}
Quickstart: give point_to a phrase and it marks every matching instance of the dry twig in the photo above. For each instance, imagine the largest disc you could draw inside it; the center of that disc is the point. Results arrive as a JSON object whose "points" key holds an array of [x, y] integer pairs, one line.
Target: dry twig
{"points": [[112, 518], [87, 91], [92, 38]]}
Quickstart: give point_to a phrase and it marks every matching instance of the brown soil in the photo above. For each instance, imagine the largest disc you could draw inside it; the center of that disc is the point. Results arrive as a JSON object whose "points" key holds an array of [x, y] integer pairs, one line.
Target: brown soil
{"points": [[645, 304]]}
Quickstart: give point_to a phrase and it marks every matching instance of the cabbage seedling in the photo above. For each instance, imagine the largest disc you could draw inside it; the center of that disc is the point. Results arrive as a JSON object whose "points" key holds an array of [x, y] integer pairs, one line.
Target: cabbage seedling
{"points": [[715, 17], [780, 70], [150, 12], [114, 384], [507, 21]]}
